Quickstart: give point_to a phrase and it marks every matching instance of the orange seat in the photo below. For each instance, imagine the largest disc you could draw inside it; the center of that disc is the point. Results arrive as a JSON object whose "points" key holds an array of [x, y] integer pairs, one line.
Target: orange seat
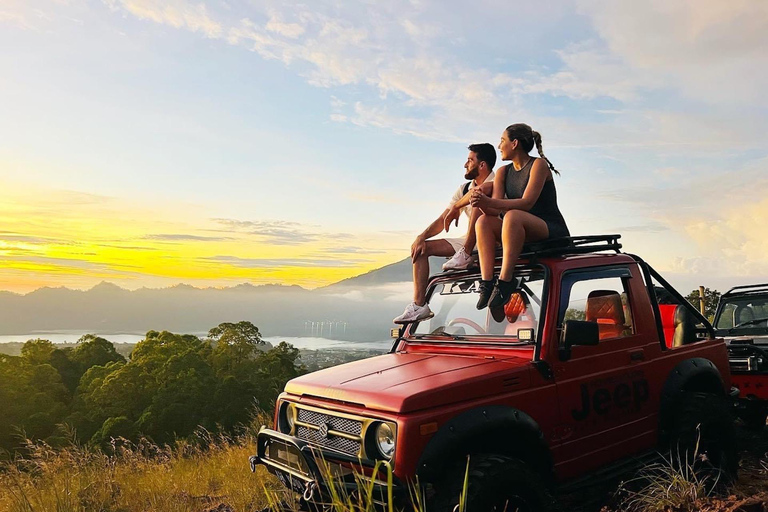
{"points": [[605, 308], [519, 313]]}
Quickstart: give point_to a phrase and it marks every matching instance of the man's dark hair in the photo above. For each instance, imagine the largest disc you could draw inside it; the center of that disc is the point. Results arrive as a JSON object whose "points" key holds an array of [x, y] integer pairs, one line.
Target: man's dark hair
{"points": [[485, 153]]}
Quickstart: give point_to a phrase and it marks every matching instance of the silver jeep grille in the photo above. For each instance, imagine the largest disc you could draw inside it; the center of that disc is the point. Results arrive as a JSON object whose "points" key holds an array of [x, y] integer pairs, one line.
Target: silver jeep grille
{"points": [[330, 431]]}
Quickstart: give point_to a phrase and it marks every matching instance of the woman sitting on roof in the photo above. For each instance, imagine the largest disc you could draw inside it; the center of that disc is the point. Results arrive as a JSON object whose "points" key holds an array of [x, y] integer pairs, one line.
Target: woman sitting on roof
{"points": [[523, 209]]}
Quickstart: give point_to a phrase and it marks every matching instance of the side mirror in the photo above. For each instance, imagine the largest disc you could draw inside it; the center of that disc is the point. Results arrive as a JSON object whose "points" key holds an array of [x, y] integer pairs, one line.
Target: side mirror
{"points": [[576, 332]]}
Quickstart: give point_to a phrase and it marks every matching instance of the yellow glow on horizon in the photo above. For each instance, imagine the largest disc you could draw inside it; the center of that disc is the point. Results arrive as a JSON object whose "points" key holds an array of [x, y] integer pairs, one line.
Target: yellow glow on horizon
{"points": [[54, 238]]}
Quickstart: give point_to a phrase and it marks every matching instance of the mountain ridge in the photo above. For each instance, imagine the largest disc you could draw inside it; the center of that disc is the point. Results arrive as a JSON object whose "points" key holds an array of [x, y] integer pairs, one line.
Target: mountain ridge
{"points": [[364, 304]]}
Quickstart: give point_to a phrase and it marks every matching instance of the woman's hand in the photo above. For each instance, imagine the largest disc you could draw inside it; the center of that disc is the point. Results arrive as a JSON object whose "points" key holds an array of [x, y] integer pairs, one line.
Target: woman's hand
{"points": [[480, 200]]}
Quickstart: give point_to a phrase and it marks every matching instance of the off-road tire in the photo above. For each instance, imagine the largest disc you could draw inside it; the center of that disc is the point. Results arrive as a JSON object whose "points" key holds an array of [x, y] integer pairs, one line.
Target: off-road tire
{"points": [[702, 435], [495, 483]]}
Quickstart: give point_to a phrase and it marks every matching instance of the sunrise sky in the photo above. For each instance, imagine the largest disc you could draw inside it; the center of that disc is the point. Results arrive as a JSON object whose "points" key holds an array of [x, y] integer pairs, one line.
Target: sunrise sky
{"points": [[152, 142]]}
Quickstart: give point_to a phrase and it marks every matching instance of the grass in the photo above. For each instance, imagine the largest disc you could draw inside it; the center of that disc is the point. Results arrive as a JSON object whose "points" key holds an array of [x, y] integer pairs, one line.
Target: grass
{"points": [[189, 476], [210, 474]]}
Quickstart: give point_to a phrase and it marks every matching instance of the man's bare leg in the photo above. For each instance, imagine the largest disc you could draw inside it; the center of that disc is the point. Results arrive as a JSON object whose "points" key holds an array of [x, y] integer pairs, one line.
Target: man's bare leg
{"points": [[469, 243], [421, 267]]}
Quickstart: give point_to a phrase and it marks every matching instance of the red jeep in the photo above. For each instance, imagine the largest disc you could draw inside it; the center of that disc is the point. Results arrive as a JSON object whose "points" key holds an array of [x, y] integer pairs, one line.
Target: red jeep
{"points": [[573, 377], [742, 319]]}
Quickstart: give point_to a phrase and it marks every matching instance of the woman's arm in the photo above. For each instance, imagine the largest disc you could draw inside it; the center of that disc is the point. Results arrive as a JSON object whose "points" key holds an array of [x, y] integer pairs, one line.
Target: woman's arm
{"points": [[480, 197], [539, 174]]}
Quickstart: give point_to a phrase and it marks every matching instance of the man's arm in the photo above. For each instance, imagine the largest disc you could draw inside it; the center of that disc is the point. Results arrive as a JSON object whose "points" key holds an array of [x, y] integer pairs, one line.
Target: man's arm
{"points": [[419, 245]]}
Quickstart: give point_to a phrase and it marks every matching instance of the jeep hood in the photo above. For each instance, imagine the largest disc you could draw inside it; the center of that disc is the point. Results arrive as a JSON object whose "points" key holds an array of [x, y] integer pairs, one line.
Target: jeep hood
{"points": [[408, 382]]}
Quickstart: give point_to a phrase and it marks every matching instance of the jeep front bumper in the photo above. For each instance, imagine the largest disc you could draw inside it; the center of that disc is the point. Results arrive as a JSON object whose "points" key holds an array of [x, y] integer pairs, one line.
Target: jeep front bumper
{"points": [[305, 469]]}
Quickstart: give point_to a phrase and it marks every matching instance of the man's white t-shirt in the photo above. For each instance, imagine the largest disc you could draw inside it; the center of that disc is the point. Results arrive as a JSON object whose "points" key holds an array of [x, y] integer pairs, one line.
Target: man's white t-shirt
{"points": [[460, 193]]}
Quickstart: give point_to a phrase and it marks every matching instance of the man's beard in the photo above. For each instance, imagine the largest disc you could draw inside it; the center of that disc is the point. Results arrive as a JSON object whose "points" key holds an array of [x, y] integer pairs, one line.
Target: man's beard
{"points": [[471, 174]]}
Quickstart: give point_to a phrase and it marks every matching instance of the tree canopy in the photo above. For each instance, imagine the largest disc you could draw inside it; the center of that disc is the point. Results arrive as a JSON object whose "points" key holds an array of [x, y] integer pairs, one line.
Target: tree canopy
{"points": [[170, 385], [711, 298]]}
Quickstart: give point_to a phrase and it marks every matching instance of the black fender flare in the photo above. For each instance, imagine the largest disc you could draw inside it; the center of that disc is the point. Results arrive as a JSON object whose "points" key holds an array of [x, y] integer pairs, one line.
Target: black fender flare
{"points": [[694, 374], [495, 429]]}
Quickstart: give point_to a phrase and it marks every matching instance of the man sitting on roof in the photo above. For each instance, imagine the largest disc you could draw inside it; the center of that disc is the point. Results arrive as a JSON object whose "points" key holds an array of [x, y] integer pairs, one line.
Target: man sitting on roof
{"points": [[479, 169]]}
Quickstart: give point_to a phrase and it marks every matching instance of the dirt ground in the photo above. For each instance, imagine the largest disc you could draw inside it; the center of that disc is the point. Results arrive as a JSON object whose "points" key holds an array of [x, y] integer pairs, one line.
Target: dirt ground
{"points": [[749, 494]]}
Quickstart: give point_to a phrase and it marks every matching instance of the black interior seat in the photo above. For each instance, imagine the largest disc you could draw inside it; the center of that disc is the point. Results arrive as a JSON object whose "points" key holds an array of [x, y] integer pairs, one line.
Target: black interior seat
{"points": [[685, 327]]}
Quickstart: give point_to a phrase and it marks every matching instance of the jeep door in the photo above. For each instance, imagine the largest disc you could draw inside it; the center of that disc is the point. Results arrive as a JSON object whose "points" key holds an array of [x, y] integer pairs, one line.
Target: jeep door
{"points": [[603, 390]]}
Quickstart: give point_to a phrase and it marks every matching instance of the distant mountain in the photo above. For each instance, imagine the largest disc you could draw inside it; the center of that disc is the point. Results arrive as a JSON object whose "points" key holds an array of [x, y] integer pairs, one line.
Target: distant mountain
{"points": [[359, 308], [401, 271]]}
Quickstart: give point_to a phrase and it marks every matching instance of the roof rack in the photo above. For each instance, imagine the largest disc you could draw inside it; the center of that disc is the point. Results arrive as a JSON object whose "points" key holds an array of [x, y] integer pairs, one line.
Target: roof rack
{"points": [[571, 245], [748, 289], [567, 246]]}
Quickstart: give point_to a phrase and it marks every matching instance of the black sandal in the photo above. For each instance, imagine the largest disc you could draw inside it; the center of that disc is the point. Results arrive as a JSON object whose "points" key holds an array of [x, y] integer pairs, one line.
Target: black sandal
{"points": [[501, 293], [484, 290]]}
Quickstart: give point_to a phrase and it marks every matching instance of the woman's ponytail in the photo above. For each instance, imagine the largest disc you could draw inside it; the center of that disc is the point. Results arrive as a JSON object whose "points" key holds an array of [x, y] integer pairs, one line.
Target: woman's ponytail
{"points": [[537, 141]]}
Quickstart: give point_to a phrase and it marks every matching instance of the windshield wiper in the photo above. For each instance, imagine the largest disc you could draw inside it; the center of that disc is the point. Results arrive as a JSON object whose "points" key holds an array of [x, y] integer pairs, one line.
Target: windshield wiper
{"points": [[438, 332], [748, 322]]}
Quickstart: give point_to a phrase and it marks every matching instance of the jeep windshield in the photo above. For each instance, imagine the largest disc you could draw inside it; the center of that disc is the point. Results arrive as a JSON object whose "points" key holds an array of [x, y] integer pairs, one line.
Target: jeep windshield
{"points": [[743, 316], [453, 302]]}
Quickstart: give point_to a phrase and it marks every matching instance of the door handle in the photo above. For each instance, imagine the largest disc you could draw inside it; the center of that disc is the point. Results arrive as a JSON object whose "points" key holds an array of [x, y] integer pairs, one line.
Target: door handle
{"points": [[637, 355]]}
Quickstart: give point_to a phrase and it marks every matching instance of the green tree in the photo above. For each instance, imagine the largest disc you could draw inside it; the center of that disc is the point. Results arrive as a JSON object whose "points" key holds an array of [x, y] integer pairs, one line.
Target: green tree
{"points": [[236, 342], [92, 350], [711, 298], [37, 351], [575, 314], [69, 370], [33, 398], [171, 384]]}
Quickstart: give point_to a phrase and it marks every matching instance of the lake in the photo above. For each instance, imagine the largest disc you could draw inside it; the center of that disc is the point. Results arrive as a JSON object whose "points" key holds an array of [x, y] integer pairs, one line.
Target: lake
{"points": [[309, 343]]}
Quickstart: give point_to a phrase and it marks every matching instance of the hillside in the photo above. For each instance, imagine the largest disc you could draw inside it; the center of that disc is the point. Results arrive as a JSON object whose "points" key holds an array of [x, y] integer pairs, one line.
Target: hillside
{"points": [[398, 272]]}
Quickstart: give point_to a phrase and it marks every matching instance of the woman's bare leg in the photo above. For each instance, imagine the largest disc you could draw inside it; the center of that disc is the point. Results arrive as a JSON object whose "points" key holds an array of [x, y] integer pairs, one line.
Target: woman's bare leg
{"points": [[488, 229], [518, 227]]}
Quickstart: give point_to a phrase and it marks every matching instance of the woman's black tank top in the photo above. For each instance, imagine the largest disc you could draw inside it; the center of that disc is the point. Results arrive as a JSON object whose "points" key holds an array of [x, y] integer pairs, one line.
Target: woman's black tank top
{"points": [[545, 207]]}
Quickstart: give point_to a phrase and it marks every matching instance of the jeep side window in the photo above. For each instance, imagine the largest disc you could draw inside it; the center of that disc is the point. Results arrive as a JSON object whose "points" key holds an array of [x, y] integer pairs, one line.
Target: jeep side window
{"points": [[601, 299]]}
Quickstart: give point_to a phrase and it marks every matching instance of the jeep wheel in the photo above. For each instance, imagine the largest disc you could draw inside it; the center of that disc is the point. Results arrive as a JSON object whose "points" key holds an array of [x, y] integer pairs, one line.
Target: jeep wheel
{"points": [[495, 483], [703, 435]]}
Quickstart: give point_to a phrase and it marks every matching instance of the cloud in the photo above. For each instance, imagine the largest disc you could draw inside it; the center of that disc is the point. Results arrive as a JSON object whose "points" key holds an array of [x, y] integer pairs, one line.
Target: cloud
{"points": [[702, 48], [9, 236], [280, 232], [271, 263], [17, 19], [649, 227], [674, 52], [351, 250], [708, 193], [176, 13], [173, 237], [66, 265], [277, 232], [276, 25]]}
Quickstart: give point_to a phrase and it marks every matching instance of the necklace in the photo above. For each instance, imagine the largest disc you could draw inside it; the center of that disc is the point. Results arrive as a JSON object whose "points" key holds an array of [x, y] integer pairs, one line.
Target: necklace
{"points": [[526, 163]]}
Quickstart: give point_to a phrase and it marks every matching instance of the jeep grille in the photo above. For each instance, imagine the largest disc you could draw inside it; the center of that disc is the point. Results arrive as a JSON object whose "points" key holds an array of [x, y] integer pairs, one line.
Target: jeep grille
{"points": [[342, 434]]}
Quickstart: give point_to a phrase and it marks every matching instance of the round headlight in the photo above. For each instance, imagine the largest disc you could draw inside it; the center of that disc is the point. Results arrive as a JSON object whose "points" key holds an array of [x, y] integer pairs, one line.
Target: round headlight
{"points": [[385, 440]]}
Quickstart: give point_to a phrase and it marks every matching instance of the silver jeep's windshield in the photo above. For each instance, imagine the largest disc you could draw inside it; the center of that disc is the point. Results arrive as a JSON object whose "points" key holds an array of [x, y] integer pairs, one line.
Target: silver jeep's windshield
{"points": [[744, 315], [453, 303]]}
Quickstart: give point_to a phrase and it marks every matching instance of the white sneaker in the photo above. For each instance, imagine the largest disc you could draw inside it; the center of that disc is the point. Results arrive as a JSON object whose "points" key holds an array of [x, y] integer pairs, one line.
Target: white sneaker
{"points": [[459, 261], [413, 313]]}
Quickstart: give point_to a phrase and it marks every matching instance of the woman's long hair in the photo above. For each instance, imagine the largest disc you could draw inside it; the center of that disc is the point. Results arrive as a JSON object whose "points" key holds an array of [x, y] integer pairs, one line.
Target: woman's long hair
{"points": [[528, 138]]}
